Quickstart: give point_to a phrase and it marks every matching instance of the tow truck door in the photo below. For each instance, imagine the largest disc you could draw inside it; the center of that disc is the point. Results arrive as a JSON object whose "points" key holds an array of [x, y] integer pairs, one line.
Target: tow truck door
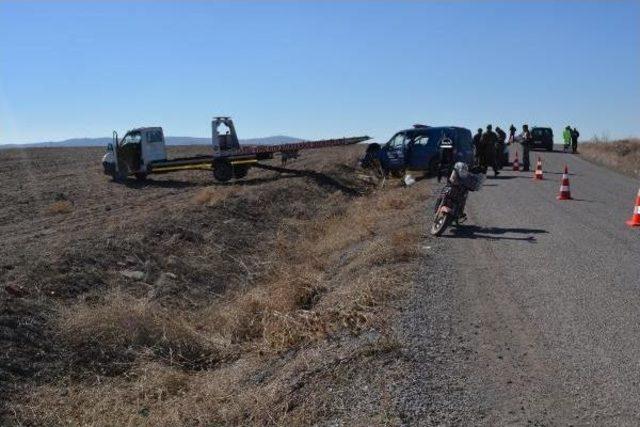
{"points": [[153, 146]]}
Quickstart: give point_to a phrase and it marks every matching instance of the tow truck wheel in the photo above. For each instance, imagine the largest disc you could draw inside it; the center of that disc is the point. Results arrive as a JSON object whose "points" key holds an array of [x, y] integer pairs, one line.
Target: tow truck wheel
{"points": [[222, 170], [240, 171], [119, 176]]}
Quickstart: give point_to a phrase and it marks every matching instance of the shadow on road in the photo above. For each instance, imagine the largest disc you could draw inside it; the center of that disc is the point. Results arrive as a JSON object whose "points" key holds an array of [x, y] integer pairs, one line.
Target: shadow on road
{"points": [[521, 175], [559, 173], [501, 177], [538, 151], [493, 233], [577, 199]]}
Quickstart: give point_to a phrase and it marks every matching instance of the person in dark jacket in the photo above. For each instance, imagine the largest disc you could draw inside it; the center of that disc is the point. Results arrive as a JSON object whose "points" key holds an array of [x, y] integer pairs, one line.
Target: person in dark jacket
{"points": [[512, 134], [500, 147], [487, 157], [525, 140], [447, 159], [476, 142], [574, 140]]}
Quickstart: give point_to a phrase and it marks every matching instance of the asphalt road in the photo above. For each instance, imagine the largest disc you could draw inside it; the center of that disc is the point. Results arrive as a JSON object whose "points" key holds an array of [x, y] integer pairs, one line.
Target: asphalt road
{"points": [[545, 299]]}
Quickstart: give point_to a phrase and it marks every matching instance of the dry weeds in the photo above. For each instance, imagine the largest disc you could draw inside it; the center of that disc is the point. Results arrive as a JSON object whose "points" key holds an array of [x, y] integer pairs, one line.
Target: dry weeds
{"points": [[212, 195], [60, 207], [112, 332], [622, 155], [297, 268]]}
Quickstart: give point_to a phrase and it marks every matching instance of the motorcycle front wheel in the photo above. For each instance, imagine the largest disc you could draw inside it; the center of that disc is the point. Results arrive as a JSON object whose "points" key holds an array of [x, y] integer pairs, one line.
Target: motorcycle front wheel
{"points": [[440, 222]]}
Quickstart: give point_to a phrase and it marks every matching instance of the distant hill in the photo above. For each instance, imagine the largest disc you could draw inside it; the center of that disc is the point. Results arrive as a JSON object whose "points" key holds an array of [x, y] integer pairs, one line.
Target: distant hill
{"points": [[171, 140]]}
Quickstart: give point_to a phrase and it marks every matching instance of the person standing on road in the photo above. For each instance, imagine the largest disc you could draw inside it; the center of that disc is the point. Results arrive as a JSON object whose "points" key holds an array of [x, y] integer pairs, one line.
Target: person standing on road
{"points": [[488, 144], [526, 141], [566, 136], [574, 140], [500, 147], [447, 159], [476, 143], [512, 134]]}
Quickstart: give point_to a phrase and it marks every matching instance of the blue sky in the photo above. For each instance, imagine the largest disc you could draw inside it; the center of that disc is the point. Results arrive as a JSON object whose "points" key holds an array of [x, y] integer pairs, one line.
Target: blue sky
{"points": [[316, 70]]}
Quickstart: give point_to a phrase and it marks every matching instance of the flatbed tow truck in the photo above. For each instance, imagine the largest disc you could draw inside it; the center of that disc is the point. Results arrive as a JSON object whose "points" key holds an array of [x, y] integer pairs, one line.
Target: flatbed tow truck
{"points": [[142, 151]]}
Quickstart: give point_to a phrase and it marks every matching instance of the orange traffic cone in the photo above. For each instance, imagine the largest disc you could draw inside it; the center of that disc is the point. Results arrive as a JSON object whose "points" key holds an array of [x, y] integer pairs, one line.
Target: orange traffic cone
{"points": [[635, 218], [538, 174], [565, 192], [516, 164]]}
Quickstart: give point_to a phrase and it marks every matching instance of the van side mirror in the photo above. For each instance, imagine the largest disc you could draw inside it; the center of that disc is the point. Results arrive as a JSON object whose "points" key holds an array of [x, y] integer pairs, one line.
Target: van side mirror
{"points": [[109, 147]]}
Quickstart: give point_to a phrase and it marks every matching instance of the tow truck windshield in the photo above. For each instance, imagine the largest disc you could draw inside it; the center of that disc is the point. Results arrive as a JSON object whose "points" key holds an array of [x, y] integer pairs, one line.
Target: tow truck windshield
{"points": [[132, 138]]}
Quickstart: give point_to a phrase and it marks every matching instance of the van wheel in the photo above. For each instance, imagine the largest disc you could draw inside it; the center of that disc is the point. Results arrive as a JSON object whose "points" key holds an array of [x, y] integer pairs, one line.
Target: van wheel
{"points": [[222, 170], [398, 173], [371, 155], [434, 165], [141, 176]]}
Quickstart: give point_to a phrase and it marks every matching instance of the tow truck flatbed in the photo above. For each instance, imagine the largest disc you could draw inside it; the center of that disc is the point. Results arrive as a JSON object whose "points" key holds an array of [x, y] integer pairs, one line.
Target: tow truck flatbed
{"points": [[246, 155]]}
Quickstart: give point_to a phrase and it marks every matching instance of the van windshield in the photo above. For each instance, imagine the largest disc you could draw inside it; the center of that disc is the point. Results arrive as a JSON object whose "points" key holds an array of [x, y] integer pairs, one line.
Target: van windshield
{"points": [[541, 132]]}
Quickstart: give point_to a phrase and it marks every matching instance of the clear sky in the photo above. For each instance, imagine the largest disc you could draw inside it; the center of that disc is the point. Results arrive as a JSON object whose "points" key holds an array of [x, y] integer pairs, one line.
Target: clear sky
{"points": [[313, 70]]}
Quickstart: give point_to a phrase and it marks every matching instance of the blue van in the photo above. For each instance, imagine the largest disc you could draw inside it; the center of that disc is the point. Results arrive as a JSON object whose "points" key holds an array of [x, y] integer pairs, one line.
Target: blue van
{"points": [[419, 148]]}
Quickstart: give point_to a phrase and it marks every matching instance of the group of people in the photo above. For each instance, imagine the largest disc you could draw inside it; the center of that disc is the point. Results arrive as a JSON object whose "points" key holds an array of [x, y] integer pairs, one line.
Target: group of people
{"points": [[491, 147], [570, 137]]}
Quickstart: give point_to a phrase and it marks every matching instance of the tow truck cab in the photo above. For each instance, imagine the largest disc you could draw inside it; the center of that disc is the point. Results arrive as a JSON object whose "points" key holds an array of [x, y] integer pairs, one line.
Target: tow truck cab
{"points": [[134, 152]]}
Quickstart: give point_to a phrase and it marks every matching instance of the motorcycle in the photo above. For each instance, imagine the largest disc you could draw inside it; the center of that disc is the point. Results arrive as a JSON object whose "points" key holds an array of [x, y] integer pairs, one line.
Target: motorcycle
{"points": [[450, 203]]}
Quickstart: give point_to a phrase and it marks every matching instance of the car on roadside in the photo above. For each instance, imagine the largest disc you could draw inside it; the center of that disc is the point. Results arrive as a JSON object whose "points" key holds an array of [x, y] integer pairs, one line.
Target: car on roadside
{"points": [[418, 148], [542, 138]]}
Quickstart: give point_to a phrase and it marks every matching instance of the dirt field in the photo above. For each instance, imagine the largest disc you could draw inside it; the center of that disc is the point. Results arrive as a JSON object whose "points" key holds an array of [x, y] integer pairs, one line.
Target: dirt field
{"points": [[184, 301]]}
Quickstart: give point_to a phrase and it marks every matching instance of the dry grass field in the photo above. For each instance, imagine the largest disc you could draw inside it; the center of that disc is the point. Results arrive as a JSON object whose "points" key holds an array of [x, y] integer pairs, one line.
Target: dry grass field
{"points": [[622, 155], [182, 301]]}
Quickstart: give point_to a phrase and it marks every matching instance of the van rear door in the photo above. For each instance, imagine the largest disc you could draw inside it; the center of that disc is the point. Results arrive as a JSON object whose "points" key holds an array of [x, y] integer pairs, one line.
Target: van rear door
{"points": [[463, 143], [421, 150]]}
